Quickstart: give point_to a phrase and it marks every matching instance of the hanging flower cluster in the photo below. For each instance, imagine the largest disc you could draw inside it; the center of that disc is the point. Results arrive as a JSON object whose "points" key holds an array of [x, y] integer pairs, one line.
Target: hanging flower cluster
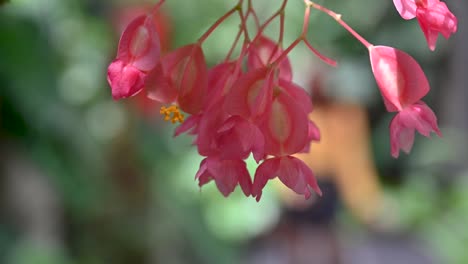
{"points": [[249, 105]]}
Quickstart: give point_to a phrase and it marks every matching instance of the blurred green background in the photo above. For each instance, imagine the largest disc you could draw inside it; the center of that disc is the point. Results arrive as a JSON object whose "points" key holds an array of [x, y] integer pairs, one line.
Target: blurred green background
{"points": [[85, 179]]}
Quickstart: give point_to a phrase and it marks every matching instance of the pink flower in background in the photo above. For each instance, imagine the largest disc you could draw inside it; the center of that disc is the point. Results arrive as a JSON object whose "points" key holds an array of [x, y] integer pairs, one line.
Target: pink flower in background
{"points": [[415, 117], [402, 84], [433, 16], [138, 53]]}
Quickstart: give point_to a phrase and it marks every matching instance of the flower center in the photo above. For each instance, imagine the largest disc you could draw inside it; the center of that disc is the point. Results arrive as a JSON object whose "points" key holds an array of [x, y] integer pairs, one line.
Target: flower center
{"points": [[172, 113]]}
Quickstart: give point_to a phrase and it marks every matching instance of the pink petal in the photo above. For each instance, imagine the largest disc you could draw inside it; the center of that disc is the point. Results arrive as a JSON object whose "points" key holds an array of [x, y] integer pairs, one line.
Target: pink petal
{"points": [[285, 127], [125, 80], [401, 137], [401, 80], [226, 174], [406, 8], [189, 124], [298, 94], [208, 125], [158, 86], [250, 94], [193, 82], [263, 52], [435, 19], [139, 44], [296, 175], [266, 171], [415, 117], [313, 135], [220, 80], [237, 137]]}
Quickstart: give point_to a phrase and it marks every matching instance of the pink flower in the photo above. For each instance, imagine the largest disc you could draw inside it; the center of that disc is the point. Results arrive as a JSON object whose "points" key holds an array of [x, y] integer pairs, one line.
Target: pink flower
{"points": [[433, 16], [138, 53], [263, 52], [220, 80], [228, 137], [181, 77], [293, 172], [417, 116], [401, 80], [285, 126], [226, 174], [402, 84], [250, 96], [435, 19]]}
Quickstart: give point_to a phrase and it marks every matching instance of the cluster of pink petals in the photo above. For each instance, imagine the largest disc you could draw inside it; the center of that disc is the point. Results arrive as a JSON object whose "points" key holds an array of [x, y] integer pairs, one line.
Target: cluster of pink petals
{"points": [[235, 111], [138, 54], [257, 111], [250, 106], [403, 84], [433, 16]]}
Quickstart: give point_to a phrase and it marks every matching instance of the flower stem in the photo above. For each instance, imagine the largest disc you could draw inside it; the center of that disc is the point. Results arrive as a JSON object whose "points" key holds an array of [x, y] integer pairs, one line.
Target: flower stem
{"points": [[338, 19], [286, 51], [218, 22], [156, 7]]}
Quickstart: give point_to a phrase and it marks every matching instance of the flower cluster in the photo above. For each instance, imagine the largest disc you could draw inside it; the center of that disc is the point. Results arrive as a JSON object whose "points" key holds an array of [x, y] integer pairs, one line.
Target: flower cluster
{"points": [[249, 105]]}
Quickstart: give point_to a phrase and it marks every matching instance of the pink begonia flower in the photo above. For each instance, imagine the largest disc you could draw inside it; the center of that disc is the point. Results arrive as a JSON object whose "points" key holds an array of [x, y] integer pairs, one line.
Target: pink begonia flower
{"points": [[436, 19], [237, 137], [417, 116], [285, 127], [263, 52], [433, 16], [138, 53], [228, 137], [287, 131], [181, 77], [293, 172], [402, 84], [220, 80], [226, 174], [313, 135], [251, 94]]}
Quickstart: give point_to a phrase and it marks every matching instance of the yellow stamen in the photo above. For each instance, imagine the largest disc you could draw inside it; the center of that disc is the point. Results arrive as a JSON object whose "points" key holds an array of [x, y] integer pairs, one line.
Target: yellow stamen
{"points": [[172, 113]]}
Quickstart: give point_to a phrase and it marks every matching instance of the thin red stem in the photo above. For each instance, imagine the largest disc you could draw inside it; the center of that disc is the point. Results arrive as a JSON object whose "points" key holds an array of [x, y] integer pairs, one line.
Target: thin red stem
{"points": [[338, 19], [268, 21], [218, 22], [286, 51], [234, 45], [305, 26], [251, 10], [156, 7], [327, 60]]}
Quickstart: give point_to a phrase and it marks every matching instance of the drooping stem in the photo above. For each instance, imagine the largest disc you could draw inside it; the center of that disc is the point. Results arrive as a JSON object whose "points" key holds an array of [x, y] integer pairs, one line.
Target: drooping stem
{"points": [[305, 29], [305, 26], [338, 19], [251, 10], [286, 52], [156, 7], [219, 21], [268, 21], [243, 29], [234, 45], [324, 58]]}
